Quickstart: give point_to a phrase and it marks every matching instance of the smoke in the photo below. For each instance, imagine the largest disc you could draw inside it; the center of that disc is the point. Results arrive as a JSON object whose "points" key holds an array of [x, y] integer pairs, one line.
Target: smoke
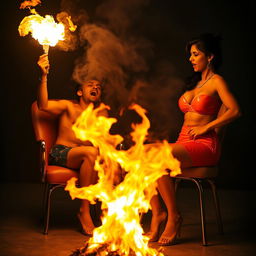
{"points": [[120, 16], [71, 41], [116, 52], [110, 59]]}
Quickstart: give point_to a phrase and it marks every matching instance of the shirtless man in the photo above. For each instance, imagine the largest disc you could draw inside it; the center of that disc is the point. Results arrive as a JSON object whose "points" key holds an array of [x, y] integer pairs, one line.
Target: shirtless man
{"points": [[69, 151]]}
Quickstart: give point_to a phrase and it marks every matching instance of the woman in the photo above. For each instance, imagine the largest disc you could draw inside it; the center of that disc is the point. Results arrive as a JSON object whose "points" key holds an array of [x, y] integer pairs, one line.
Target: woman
{"points": [[197, 144]]}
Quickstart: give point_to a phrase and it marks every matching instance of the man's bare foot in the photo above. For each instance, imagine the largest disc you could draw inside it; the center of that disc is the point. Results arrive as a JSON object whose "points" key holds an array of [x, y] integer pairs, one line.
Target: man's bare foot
{"points": [[86, 223], [157, 220]]}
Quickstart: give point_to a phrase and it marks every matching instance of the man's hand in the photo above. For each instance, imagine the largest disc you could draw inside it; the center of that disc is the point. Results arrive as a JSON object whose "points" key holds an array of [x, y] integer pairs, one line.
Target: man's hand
{"points": [[43, 63]]}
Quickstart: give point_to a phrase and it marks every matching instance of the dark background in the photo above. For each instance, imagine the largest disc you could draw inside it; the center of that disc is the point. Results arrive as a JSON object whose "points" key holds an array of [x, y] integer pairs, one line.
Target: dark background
{"points": [[168, 25]]}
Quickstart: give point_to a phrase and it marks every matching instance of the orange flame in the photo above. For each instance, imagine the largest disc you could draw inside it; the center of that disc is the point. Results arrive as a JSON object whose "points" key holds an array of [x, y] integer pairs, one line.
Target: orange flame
{"points": [[143, 164], [72, 27], [45, 30], [29, 3]]}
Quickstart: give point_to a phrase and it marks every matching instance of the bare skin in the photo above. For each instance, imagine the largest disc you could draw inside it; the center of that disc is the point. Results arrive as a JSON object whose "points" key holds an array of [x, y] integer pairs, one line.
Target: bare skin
{"points": [[82, 155], [200, 124]]}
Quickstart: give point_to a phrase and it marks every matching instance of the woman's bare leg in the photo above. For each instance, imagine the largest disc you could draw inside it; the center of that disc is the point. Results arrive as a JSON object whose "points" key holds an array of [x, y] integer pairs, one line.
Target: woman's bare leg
{"points": [[158, 216], [84, 158], [167, 191]]}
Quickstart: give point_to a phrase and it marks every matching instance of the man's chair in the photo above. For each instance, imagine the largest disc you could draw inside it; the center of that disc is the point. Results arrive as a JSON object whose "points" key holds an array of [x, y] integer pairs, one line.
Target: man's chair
{"points": [[46, 128]]}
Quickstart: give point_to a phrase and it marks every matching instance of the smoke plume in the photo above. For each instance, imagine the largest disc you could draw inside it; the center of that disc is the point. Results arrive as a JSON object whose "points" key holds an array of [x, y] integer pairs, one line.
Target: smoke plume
{"points": [[117, 53]]}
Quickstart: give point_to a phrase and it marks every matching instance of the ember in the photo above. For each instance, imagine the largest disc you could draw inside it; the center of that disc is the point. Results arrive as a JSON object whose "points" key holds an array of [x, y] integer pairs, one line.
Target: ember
{"points": [[100, 251], [121, 232]]}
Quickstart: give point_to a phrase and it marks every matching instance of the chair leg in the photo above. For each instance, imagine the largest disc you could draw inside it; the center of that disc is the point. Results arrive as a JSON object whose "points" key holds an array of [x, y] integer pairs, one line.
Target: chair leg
{"points": [[201, 201], [50, 189], [45, 189], [217, 205], [47, 208]]}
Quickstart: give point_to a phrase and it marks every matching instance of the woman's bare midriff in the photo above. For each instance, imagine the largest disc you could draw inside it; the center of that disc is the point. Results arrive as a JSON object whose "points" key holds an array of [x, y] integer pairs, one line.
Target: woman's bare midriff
{"points": [[195, 119]]}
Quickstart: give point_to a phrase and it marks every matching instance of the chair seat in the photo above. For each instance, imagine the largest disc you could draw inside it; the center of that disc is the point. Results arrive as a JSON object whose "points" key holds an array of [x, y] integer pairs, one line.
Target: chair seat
{"points": [[199, 172], [57, 174]]}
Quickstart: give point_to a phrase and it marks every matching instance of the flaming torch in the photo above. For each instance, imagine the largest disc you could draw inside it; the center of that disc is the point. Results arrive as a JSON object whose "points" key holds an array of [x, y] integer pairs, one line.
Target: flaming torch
{"points": [[121, 233], [43, 29]]}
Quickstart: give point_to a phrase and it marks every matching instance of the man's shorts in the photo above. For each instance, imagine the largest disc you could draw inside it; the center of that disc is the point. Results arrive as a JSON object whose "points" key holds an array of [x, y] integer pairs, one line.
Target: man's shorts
{"points": [[58, 155]]}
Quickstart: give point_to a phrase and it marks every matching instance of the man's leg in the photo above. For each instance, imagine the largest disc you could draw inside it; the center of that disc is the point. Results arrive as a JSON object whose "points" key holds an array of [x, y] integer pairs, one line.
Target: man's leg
{"points": [[83, 158]]}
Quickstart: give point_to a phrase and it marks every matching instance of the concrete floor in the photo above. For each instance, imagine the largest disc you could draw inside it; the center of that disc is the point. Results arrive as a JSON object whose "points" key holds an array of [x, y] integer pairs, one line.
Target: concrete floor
{"points": [[21, 227]]}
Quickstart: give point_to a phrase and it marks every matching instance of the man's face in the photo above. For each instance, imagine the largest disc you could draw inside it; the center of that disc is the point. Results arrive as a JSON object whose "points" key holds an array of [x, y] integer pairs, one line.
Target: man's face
{"points": [[90, 91]]}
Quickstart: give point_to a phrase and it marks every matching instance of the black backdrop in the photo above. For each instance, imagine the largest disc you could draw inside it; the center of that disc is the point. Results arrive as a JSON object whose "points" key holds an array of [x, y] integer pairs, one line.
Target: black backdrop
{"points": [[168, 25]]}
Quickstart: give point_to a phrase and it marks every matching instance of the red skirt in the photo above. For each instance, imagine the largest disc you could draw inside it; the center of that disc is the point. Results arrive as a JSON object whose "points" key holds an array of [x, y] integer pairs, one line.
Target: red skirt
{"points": [[204, 150]]}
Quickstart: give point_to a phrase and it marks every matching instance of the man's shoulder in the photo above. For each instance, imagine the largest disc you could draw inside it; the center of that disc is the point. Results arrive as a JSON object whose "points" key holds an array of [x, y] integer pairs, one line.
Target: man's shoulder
{"points": [[65, 101]]}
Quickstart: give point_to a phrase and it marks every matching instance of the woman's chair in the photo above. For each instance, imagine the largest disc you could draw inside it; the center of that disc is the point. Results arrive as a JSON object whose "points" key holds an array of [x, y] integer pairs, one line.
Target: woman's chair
{"points": [[200, 175], [46, 128]]}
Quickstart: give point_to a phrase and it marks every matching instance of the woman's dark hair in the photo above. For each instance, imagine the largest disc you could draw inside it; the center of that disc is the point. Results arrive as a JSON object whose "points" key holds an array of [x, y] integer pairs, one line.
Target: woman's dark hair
{"points": [[209, 44]]}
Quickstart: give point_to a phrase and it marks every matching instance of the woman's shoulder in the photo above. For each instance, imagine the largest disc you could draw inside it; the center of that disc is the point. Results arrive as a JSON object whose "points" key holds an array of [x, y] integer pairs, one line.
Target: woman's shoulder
{"points": [[219, 82], [218, 78]]}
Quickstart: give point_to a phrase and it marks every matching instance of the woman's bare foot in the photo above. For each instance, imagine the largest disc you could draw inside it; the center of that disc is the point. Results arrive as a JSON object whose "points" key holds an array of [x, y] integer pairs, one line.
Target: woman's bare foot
{"points": [[157, 220], [171, 231], [86, 223]]}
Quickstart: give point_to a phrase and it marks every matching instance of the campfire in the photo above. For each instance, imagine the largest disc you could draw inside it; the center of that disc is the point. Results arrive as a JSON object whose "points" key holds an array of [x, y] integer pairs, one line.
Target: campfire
{"points": [[121, 232]]}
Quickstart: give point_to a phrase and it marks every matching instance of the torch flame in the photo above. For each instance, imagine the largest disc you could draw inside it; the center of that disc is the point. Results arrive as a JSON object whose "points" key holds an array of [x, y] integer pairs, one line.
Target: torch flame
{"points": [[72, 26], [121, 231], [29, 3], [45, 30]]}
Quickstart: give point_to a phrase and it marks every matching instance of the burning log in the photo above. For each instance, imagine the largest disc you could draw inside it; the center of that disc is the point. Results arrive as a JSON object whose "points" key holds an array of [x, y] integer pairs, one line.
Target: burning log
{"points": [[83, 251], [103, 250]]}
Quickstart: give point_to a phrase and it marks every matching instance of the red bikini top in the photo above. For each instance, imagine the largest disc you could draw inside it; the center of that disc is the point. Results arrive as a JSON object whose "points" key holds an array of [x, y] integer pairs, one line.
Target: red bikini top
{"points": [[202, 104]]}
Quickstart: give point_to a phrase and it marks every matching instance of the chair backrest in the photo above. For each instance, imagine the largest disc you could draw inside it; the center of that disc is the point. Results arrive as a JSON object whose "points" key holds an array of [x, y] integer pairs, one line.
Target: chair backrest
{"points": [[45, 127]]}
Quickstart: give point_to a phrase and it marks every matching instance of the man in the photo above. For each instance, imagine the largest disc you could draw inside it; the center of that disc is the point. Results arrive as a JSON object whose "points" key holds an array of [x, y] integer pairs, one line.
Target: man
{"points": [[68, 150]]}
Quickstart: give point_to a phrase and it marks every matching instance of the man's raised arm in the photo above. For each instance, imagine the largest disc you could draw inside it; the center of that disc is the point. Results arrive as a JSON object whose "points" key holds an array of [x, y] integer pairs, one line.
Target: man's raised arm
{"points": [[54, 106]]}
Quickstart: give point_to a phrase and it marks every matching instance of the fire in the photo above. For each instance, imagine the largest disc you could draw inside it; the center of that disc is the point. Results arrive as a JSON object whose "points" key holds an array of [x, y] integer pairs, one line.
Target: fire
{"points": [[29, 3], [143, 164], [43, 29], [72, 27]]}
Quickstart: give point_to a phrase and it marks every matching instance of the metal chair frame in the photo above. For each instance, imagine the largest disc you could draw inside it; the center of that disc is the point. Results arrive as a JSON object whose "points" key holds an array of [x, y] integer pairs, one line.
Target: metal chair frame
{"points": [[199, 184], [48, 187]]}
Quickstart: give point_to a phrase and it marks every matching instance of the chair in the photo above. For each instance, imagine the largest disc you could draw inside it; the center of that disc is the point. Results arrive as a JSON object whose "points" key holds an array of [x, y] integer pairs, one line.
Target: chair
{"points": [[45, 128], [200, 175]]}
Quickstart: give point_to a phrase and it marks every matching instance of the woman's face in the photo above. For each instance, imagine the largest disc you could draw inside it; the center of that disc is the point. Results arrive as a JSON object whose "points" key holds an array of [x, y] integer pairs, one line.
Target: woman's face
{"points": [[198, 59]]}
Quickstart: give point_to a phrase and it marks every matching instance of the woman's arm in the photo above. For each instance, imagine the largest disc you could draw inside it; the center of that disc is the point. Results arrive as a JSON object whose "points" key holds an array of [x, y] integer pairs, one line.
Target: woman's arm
{"points": [[230, 109]]}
